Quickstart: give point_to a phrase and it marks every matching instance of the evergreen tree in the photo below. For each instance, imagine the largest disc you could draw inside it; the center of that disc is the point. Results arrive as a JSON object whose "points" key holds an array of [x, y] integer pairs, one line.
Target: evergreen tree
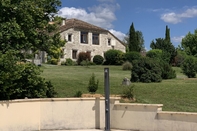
{"points": [[133, 39], [167, 34]]}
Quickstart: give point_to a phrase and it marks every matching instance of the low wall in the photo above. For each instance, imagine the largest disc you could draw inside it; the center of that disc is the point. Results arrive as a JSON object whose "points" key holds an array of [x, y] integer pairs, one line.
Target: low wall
{"points": [[150, 117], [57, 113], [89, 113]]}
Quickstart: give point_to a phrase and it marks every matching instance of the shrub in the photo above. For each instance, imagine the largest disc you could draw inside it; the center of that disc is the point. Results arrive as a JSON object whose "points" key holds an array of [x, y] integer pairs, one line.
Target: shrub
{"points": [[78, 94], [189, 66], [167, 70], [127, 66], [53, 61], [179, 58], [19, 80], [155, 54], [98, 59], [85, 63], [83, 56], [69, 62], [113, 57], [131, 56], [146, 70], [93, 84], [128, 92]]}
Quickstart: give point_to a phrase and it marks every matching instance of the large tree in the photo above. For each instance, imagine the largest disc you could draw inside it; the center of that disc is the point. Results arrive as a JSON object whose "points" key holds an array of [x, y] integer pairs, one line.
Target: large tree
{"points": [[25, 25], [189, 43], [134, 40], [165, 45]]}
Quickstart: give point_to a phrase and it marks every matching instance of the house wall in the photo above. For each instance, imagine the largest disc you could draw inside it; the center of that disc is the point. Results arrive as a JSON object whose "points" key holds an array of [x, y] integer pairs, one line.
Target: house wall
{"points": [[89, 113], [75, 44]]}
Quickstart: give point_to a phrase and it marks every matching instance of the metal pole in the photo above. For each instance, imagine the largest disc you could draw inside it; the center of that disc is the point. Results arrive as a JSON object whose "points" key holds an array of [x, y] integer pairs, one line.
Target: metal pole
{"points": [[107, 100]]}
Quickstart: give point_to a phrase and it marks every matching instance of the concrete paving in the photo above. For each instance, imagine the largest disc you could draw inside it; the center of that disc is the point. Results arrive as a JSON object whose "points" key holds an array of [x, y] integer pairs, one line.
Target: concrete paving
{"points": [[90, 130]]}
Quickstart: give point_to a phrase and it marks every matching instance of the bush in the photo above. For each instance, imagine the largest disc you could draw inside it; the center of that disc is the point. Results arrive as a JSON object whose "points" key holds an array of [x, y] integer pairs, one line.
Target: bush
{"points": [[146, 70], [189, 66], [131, 56], [127, 66], [83, 56], [93, 84], [53, 61], [19, 80], [128, 92], [167, 70], [98, 59], [69, 62], [179, 58], [113, 57], [78, 94], [155, 54], [85, 63]]}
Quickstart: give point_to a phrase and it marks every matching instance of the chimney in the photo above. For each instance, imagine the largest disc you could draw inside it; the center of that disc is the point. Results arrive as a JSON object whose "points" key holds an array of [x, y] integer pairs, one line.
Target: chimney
{"points": [[63, 22]]}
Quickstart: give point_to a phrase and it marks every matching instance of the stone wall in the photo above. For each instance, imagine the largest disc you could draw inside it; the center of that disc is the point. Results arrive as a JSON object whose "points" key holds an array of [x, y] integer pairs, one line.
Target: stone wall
{"points": [[75, 44]]}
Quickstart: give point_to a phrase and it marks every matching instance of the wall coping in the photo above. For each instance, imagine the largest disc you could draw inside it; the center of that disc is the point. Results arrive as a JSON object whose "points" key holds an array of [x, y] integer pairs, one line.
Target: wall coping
{"points": [[56, 99], [176, 113], [139, 104]]}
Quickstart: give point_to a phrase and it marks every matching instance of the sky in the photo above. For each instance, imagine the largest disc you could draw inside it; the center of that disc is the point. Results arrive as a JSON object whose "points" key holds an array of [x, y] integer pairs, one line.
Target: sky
{"points": [[148, 16]]}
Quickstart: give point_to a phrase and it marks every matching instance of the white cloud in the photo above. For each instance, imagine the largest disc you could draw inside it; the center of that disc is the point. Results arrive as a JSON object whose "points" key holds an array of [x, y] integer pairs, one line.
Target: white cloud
{"points": [[177, 39], [102, 15], [175, 18], [118, 34]]}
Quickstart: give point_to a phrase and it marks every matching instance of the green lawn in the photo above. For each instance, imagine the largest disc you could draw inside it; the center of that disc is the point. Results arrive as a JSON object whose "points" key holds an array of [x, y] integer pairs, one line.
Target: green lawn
{"points": [[177, 94]]}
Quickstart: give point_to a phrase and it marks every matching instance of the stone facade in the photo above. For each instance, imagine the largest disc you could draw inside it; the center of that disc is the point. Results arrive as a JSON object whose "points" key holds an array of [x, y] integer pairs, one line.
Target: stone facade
{"points": [[74, 46]]}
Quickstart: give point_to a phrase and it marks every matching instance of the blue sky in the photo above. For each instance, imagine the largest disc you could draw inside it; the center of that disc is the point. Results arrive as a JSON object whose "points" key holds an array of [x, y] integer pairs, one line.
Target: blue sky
{"points": [[149, 16]]}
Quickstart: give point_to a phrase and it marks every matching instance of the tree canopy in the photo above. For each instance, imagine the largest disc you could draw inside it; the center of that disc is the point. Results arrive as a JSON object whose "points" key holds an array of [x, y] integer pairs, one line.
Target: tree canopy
{"points": [[165, 45], [25, 25], [189, 43]]}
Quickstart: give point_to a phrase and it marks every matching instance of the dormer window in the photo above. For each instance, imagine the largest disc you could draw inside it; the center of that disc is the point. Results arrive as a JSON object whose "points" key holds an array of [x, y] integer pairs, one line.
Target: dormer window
{"points": [[84, 37], [70, 37]]}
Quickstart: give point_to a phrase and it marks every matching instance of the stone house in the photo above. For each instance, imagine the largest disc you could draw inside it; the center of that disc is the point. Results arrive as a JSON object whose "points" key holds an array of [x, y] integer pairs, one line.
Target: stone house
{"points": [[84, 37]]}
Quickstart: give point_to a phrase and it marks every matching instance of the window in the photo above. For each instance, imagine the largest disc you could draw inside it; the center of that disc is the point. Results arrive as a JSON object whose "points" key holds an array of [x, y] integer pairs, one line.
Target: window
{"points": [[69, 37], [84, 37], [109, 42], [95, 39], [74, 54]]}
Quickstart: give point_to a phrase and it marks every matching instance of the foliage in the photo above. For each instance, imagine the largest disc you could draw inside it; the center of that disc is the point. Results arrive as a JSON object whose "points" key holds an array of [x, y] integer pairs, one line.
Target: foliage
{"points": [[179, 58], [93, 84], [155, 54], [146, 70], [128, 91], [50, 90], [166, 46], [53, 61], [189, 66], [78, 94], [85, 63], [136, 40], [127, 66], [113, 57], [98, 59], [69, 62], [25, 28], [167, 70], [189, 43], [131, 56], [19, 80], [83, 56]]}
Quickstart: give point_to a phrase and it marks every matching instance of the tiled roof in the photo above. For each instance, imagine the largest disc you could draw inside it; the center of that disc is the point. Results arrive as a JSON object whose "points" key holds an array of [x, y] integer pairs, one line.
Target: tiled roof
{"points": [[79, 24], [82, 25]]}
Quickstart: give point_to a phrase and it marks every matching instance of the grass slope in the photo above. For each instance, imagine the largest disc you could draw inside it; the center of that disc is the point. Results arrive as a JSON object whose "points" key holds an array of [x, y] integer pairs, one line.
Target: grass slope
{"points": [[176, 94]]}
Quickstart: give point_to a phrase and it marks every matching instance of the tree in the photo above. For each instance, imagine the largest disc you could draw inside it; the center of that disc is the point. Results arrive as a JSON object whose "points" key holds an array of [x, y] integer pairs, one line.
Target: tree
{"points": [[133, 39], [25, 28], [26, 25], [189, 43], [140, 40], [165, 45], [146, 70], [189, 66]]}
